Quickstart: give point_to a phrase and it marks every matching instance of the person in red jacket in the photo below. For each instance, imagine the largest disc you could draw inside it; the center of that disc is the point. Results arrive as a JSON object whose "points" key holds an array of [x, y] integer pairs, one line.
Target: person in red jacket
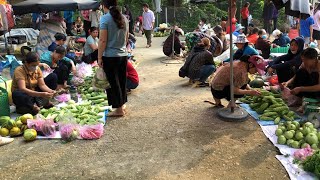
{"points": [[132, 77], [245, 14]]}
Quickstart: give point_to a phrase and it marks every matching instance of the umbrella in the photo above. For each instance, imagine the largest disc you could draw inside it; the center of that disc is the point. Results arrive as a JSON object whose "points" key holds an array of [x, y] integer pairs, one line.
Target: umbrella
{"points": [[295, 8], [44, 6]]}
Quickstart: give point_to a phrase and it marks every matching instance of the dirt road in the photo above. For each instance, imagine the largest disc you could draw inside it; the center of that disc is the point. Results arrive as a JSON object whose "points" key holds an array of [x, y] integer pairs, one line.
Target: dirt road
{"points": [[169, 133]]}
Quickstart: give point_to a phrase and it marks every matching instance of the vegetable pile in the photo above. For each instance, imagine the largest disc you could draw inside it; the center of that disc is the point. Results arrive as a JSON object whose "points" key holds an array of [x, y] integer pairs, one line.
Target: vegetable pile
{"points": [[270, 106], [312, 164], [83, 113], [292, 134]]}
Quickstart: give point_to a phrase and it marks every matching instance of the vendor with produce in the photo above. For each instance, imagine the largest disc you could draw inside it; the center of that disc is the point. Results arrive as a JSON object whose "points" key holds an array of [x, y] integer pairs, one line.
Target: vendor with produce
{"points": [[221, 83], [60, 40], [306, 81], [167, 46], [287, 64], [243, 48], [91, 46], [62, 65], [30, 90]]}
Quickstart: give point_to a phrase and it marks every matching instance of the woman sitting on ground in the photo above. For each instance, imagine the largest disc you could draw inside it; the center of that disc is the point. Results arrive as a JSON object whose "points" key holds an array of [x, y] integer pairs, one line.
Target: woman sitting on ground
{"points": [[199, 64], [78, 25], [62, 65], [243, 48], [132, 77], [30, 90], [221, 83], [263, 44], [286, 65], [60, 41], [253, 36], [280, 39], [91, 46], [306, 81], [167, 46]]}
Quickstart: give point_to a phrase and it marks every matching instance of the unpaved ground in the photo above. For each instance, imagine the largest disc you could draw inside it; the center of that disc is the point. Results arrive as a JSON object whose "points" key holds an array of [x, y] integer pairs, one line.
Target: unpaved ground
{"points": [[169, 133]]}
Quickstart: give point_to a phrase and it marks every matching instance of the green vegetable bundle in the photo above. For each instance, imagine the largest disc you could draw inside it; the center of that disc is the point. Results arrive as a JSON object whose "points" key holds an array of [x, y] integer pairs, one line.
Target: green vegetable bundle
{"points": [[312, 164]]}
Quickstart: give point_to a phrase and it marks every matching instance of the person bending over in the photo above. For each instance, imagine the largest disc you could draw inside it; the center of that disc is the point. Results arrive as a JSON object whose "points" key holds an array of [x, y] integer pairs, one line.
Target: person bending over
{"points": [[306, 81], [167, 46], [62, 65], [220, 87], [29, 89], [132, 77]]}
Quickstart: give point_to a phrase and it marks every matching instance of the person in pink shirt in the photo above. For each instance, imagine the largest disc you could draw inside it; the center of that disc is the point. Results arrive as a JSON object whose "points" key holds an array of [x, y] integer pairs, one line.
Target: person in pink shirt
{"points": [[316, 25], [86, 21]]}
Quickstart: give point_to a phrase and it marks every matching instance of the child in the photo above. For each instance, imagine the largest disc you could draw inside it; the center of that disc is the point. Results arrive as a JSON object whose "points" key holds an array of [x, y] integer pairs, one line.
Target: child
{"points": [[306, 82]]}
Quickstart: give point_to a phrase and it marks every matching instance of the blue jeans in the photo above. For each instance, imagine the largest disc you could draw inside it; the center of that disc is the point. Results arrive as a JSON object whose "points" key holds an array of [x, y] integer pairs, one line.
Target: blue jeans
{"points": [[131, 85], [206, 71]]}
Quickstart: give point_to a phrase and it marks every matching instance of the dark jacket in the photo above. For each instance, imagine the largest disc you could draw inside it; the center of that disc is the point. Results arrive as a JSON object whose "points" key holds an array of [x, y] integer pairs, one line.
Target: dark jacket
{"points": [[282, 41], [264, 47], [267, 13], [198, 57], [287, 64], [167, 45]]}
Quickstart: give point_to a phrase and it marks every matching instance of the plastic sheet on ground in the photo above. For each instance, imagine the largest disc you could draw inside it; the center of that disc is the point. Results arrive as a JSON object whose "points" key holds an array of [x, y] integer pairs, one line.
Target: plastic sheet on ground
{"points": [[294, 171], [269, 131], [255, 115]]}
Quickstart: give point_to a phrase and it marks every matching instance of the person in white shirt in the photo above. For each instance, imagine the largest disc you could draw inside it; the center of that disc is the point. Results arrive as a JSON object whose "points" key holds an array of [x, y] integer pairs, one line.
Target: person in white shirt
{"points": [[148, 23], [203, 27]]}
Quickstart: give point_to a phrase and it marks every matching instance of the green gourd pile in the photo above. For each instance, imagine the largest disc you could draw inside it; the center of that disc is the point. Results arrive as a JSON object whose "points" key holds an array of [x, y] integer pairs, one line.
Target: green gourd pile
{"points": [[270, 106]]}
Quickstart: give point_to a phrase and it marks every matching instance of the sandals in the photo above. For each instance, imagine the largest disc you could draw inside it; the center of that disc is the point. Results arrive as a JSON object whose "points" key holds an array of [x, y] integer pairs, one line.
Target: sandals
{"points": [[5, 140]]}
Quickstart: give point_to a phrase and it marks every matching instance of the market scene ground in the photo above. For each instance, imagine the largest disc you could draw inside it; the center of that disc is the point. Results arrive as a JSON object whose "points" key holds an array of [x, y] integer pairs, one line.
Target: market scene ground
{"points": [[169, 133]]}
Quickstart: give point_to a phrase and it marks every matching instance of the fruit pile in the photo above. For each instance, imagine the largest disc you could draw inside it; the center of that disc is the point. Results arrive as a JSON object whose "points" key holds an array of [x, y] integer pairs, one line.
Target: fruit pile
{"points": [[10, 127], [161, 34], [83, 113], [270, 106], [293, 134]]}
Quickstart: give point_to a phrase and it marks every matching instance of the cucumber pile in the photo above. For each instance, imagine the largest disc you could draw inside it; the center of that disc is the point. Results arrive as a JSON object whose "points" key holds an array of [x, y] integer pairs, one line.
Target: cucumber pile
{"points": [[96, 96], [83, 113], [270, 106]]}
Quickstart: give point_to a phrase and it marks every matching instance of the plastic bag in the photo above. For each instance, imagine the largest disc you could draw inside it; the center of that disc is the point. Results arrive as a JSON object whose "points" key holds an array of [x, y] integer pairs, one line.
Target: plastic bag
{"points": [[35, 124], [83, 69], [291, 99], [12, 63], [46, 72], [63, 98], [91, 131], [48, 128], [69, 132], [100, 80]]}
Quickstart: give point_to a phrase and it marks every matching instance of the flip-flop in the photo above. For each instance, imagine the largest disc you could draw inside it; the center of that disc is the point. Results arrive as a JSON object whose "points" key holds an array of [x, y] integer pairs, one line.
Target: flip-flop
{"points": [[5, 140]]}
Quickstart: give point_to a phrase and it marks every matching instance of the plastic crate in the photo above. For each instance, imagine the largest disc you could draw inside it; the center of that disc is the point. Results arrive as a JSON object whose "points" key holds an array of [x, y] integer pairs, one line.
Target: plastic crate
{"points": [[280, 49]]}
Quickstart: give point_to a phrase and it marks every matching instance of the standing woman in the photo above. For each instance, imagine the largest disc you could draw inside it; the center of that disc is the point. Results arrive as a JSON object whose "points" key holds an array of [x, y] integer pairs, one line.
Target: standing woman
{"points": [[112, 54]]}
